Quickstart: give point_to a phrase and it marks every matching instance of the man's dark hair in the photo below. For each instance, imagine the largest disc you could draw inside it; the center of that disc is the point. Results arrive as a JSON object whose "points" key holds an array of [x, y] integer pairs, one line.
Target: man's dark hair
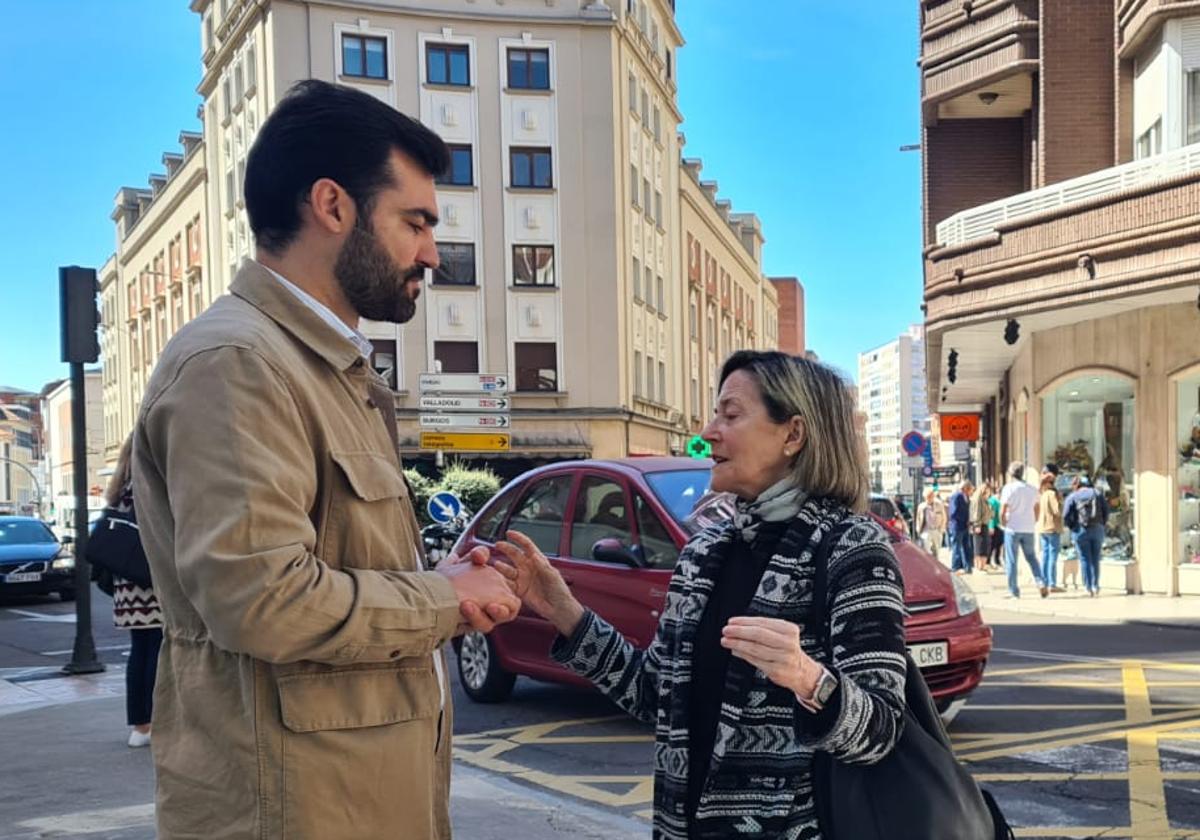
{"points": [[320, 130]]}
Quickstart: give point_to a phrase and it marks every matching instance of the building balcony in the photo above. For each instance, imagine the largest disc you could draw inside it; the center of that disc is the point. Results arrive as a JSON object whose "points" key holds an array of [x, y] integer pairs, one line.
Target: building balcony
{"points": [[1138, 20], [965, 46], [1118, 239]]}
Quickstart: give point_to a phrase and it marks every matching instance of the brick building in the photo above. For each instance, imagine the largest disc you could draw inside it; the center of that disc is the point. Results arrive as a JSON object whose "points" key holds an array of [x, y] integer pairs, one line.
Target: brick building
{"points": [[1062, 263]]}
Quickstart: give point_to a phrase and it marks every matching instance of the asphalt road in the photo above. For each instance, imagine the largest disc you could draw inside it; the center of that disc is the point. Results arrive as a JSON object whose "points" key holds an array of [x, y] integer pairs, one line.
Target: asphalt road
{"points": [[1081, 730]]}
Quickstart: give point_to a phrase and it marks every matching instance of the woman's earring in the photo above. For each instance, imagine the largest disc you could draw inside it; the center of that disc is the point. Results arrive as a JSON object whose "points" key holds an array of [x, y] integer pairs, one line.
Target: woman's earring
{"points": [[787, 453]]}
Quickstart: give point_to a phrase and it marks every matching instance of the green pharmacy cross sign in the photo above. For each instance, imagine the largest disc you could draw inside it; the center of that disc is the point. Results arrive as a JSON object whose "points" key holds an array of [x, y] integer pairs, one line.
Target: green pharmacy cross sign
{"points": [[698, 447]]}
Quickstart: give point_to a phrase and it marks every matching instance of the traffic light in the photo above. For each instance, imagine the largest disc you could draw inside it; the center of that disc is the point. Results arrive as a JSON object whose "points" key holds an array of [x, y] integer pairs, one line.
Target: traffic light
{"points": [[80, 317]]}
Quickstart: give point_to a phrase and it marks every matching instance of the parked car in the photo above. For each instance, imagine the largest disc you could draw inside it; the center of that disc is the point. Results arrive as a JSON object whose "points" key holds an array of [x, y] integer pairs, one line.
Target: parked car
{"points": [[614, 530], [32, 561], [885, 508]]}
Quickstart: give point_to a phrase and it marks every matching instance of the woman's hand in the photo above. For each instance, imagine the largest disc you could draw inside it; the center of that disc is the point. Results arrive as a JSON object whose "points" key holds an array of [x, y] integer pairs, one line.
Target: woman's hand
{"points": [[537, 583], [772, 646]]}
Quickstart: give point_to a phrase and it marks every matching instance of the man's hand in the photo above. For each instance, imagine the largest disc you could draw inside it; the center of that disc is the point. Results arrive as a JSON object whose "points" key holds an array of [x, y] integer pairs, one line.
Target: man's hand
{"points": [[484, 595], [539, 584]]}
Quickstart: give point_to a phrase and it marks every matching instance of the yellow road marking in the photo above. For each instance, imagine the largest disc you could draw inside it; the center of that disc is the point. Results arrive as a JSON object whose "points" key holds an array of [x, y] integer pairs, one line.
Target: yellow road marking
{"points": [[1006, 745], [1147, 797], [1086, 832]]}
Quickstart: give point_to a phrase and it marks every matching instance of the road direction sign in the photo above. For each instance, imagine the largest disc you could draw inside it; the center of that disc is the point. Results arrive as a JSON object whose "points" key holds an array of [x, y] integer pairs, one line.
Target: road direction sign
{"points": [[469, 383], [457, 403], [912, 443], [467, 441], [444, 506], [464, 421], [943, 472], [698, 447]]}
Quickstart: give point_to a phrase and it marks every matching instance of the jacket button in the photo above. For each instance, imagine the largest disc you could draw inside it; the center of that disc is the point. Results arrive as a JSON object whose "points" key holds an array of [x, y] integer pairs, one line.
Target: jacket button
{"points": [[371, 403], [394, 654]]}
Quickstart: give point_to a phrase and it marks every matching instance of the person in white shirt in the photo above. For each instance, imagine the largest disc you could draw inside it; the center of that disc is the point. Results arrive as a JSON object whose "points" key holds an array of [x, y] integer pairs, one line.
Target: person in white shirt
{"points": [[1018, 515]]}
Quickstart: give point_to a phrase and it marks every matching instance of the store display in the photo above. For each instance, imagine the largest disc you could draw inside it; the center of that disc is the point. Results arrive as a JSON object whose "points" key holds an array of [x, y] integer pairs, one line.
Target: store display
{"points": [[1187, 474]]}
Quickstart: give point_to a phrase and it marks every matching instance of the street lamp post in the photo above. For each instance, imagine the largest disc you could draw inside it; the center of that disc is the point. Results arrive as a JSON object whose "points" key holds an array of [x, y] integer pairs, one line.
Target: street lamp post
{"points": [[37, 488]]}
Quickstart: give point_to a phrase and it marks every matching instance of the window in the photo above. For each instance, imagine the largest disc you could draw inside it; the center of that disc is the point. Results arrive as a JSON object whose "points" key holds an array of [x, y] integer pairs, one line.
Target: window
{"points": [[457, 264], [383, 360], [670, 56], [530, 168], [364, 57], [692, 316], [649, 289], [227, 100], [461, 171], [633, 93], [658, 549], [695, 397], [251, 68], [633, 181], [447, 64], [533, 265], [529, 69], [1150, 143], [177, 312], [457, 356], [662, 382], [646, 205], [657, 124], [1192, 117], [637, 279], [541, 513], [649, 378], [489, 526], [660, 293], [197, 298], [645, 109], [239, 86], [658, 211], [537, 366], [601, 512], [209, 39]]}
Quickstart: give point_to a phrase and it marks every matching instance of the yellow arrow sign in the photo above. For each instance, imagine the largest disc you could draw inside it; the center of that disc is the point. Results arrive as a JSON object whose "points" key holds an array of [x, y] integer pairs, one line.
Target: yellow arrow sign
{"points": [[467, 441]]}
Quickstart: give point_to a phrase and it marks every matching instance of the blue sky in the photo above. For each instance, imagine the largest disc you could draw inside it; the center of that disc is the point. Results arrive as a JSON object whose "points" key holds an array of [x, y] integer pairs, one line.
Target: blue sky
{"points": [[797, 111]]}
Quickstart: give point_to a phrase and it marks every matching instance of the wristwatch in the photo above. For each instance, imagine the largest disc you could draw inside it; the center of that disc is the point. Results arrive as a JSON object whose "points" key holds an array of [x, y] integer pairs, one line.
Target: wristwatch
{"points": [[827, 683]]}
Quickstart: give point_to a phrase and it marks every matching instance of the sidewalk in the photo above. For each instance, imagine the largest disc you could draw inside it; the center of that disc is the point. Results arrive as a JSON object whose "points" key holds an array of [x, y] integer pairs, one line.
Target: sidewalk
{"points": [[64, 737], [1156, 610]]}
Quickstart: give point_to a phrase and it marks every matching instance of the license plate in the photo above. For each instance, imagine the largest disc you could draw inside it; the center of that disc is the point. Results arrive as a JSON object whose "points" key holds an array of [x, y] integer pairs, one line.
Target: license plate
{"points": [[930, 655], [23, 577]]}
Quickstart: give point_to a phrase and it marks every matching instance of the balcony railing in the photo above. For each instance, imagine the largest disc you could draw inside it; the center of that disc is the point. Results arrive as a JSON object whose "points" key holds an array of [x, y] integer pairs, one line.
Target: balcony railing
{"points": [[987, 218]]}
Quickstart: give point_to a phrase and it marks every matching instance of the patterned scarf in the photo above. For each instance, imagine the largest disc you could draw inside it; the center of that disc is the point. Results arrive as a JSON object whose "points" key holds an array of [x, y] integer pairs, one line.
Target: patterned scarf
{"points": [[778, 503]]}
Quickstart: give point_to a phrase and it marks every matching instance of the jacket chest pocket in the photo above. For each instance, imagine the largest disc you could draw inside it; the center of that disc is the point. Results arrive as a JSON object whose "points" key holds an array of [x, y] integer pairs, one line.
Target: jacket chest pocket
{"points": [[367, 526]]}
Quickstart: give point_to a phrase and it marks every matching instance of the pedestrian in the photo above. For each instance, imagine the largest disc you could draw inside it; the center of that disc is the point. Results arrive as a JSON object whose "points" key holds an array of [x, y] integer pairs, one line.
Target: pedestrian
{"points": [[135, 608], [1086, 513], [302, 687], [1018, 515], [994, 561], [960, 529], [931, 521], [980, 515], [906, 520], [737, 679], [1049, 526]]}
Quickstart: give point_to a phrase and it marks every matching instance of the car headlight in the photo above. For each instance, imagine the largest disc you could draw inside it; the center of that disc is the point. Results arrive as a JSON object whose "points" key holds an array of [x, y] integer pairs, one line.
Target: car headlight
{"points": [[64, 559], [964, 596]]}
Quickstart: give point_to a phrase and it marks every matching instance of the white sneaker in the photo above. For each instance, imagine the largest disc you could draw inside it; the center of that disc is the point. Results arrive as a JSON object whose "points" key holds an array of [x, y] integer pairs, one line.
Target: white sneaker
{"points": [[138, 739]]}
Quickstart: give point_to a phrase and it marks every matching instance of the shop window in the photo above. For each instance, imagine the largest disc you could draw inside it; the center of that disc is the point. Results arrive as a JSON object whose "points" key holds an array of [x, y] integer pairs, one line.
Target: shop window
{"points": [[1187, 476], [1088, 429]]}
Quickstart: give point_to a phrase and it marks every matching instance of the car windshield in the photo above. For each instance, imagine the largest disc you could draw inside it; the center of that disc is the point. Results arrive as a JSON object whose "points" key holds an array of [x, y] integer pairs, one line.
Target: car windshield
{"points": [[23, 533], [679, 491]]}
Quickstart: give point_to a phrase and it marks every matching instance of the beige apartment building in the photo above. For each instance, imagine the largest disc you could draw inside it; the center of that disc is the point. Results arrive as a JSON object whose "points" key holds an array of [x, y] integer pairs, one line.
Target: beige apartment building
{"points": [[563, 225], [154, 283], [59, 455], [1062, 262]]}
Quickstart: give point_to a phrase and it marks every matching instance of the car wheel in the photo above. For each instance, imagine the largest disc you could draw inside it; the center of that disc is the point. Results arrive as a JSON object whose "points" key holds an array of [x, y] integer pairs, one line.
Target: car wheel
{"points": [[479, 670], [66, 594]]}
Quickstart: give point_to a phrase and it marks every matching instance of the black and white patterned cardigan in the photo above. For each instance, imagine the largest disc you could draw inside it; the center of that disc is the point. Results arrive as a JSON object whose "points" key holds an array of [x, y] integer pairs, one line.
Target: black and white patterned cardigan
{"points": [[758, 783]]}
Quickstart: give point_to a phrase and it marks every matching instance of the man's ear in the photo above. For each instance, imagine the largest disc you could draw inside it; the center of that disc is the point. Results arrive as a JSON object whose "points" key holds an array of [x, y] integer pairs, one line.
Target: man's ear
{"points": [[331, 207]]}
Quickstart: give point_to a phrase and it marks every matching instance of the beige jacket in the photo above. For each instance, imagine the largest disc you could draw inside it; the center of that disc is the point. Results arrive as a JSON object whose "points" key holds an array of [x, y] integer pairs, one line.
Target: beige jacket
{"points": [[1049, 519], [297, 696]]}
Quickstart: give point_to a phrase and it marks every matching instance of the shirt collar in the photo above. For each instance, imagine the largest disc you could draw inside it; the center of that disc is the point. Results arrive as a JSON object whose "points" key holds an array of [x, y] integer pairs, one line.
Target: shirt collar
{"points": [[357, 338]]}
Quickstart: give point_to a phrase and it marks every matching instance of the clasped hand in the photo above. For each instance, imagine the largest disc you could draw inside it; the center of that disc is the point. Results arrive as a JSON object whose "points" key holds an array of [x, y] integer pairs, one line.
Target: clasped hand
{"points": [[772, 645]]}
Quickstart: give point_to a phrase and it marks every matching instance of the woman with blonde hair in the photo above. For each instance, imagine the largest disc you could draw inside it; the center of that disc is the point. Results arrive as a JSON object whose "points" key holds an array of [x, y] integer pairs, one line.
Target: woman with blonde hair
{"points": [[135, 608], [742, 681]]}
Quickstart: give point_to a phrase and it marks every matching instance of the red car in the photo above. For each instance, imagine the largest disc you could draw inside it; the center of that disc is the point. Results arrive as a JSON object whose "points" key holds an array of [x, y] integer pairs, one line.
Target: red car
{"points": [[614, 530]]}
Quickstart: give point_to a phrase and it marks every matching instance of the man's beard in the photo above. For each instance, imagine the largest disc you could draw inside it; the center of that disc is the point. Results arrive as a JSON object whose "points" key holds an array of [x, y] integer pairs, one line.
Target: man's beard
{"points": [[372, 282]]}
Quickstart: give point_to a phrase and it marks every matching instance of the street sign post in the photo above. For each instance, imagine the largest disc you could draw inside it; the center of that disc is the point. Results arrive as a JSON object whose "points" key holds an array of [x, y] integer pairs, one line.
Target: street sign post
{"points": [[913, 443], [465, 383], [943, 472], [464, 421], [457, 403], [444, 507], [467, 441]]}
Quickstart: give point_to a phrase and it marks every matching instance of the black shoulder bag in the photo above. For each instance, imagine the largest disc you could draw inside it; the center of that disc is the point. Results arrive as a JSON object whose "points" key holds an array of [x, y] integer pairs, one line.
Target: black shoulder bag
{"points": [[919, 791], [114, 545]]}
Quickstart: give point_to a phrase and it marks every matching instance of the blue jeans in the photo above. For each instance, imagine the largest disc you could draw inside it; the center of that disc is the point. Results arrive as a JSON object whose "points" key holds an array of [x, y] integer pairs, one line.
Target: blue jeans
{"points": [[960, 551], [1051, 544], [1025, 540], [1088, 541]]}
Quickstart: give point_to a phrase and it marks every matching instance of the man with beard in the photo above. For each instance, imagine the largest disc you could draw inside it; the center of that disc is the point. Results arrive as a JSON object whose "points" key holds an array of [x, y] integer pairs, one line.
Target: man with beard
{"points": [[302, 687]]}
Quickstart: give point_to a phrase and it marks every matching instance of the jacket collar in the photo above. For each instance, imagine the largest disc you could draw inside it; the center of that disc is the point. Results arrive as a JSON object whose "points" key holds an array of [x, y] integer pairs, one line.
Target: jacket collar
{"points": [[255, 285]]}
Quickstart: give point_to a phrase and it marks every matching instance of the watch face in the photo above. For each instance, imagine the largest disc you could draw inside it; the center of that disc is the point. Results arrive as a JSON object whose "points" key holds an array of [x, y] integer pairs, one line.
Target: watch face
{"points": [[825, 688]]}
